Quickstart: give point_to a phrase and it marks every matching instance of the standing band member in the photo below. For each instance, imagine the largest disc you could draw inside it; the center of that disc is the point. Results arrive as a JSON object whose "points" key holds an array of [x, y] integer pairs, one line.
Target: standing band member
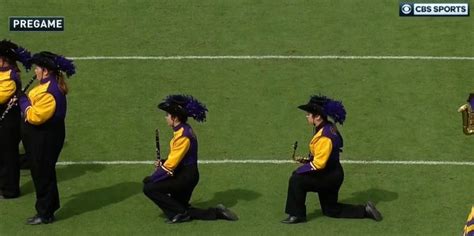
{"points": [[10, 85], [44, 111], [174, 180], [323, 172]]}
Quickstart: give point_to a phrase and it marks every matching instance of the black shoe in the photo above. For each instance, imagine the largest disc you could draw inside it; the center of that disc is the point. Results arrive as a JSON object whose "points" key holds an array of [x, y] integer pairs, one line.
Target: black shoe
{"points": [[31, 218], [37, 220], [225, 213], [293, 220], [372, 212], [179, 218], [3, 196]]}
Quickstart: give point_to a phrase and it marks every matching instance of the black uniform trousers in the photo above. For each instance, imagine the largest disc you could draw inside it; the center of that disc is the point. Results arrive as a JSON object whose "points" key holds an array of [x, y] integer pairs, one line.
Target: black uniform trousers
{"points": [[43, 145], [9, 152], [327, 184], [172, 195]]}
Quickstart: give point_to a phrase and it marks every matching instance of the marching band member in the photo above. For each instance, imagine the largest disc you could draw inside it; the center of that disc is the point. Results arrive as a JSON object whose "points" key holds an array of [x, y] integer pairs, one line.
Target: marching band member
{"points": [[323, 172], [44, 111], [468, 128], [467, 111], [10, 85], [172, 184], [469, 228]]}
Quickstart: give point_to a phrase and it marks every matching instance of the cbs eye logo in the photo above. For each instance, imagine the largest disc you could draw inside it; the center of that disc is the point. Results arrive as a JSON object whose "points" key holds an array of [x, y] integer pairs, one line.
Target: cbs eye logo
{"points": [[406, 9]]}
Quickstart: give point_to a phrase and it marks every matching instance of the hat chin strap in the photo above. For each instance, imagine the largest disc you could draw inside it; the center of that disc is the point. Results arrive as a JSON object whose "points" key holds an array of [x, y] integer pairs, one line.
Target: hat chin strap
{"points": [[175, 123], [315, 123]]}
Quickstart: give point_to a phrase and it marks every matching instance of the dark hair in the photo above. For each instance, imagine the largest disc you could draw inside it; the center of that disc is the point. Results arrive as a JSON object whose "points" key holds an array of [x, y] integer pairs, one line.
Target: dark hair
{"points": [[11, 62], [59, 78], [319, 113], [181, 117], [62, 83]]}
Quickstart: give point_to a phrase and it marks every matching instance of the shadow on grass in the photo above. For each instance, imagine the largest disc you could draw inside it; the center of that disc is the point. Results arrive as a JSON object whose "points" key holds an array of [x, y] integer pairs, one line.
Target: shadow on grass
{"points": [[63, 173], [374, 195], [96, 199], [229, 198]]}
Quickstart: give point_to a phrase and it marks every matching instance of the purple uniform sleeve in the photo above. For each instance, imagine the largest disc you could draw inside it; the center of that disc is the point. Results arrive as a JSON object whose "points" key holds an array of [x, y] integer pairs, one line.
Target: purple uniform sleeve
{"points": [[160, 174], [24, 103]]}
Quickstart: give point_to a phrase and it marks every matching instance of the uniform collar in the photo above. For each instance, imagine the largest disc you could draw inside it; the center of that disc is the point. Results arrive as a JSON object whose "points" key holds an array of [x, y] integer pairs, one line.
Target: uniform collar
{"points": [[47, 79], [176, 128], [6, 68]]}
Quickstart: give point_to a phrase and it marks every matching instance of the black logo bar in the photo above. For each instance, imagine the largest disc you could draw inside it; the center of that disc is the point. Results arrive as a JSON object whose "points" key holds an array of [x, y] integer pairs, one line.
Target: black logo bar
{"points": [[36, 23]]}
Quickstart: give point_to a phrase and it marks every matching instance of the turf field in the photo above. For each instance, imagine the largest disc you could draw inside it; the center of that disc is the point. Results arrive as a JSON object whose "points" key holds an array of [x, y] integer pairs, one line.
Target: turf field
{"points": [[398, 110]]}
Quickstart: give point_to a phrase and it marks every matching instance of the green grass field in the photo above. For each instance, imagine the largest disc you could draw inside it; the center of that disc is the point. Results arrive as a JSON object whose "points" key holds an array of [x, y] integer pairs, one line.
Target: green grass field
{"points": [[398, 110]]}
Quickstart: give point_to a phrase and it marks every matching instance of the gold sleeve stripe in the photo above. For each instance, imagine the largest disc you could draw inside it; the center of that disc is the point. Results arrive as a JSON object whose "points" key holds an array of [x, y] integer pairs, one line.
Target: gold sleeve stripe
{"points": [[178, 150], [41, 110], [321, 150], [7, 89]]}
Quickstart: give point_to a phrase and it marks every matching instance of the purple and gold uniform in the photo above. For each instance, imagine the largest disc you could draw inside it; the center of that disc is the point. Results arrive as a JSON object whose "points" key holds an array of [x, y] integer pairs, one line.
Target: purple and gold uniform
{"points": [[324, 147], [44, 112], [45, 103], [323, 172], [170, 187], [9, 82], [183, 152], [9, 134], [10, 85], [469, 228]]}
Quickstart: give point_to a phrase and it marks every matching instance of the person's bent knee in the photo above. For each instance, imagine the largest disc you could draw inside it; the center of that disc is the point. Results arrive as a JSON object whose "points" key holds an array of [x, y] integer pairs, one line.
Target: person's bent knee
{"points": [[153, 188], [295, 178], [147, 188]]}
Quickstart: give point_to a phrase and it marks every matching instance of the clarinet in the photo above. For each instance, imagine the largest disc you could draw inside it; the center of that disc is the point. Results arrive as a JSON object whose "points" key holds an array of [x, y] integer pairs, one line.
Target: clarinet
{"points": [[157, 140], [298, 158], [147, 179], [13, 100], [295, 146]]}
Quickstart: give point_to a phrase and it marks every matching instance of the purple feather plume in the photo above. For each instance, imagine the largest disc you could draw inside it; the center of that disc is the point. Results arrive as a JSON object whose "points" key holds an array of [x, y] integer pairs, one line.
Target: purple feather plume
{"points": [[65, 65], [196, 109], [192, 106], [331, 108], [24, 56], [335, 110]]}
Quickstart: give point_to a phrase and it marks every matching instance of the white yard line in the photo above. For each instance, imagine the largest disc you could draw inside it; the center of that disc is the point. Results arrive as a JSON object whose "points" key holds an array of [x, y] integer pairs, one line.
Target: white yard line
{"points": [[233, 161], [273, 57]]}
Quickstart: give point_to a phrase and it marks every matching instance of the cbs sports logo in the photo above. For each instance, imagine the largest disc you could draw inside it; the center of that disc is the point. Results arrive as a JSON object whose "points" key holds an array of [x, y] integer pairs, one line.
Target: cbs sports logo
{"points": [[434, 9]]}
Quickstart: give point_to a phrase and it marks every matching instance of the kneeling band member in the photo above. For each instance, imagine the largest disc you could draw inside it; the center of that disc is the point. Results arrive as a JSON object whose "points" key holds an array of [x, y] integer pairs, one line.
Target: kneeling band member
{"points": [[323, 173], [172, 184]]}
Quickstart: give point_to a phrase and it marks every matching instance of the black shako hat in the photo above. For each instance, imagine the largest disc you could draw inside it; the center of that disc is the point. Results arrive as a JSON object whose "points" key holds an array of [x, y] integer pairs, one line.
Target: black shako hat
{"points": [[184, 105], [14, 53], [174, 105], [54, 62], [325, 107], [45, 60], [314, 105]]}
